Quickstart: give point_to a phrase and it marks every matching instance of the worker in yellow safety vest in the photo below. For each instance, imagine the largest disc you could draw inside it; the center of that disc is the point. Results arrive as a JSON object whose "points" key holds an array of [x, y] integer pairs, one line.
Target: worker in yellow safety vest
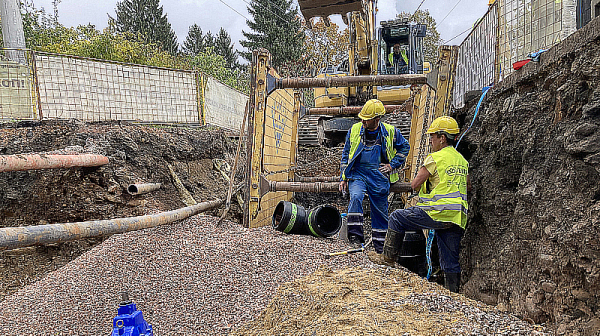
{"points": [[372, 152], [398, 59], [442, 182]]}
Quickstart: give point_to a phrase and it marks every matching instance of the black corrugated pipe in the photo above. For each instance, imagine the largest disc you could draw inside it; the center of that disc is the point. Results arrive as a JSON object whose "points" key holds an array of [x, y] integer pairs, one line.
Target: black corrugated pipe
{"points": [[322, 221]]}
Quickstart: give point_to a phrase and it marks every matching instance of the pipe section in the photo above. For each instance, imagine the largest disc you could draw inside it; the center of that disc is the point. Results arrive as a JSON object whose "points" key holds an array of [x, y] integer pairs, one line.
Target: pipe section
{"points": [[43, 161], [317, 179], [349, 81], [346, 110], [16, 237], [142, 188], [316, 187]]}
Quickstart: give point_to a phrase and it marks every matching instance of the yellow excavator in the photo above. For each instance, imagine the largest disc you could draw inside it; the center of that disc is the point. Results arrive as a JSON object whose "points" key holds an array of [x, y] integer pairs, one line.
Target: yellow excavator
{"points": [[370, 52]]}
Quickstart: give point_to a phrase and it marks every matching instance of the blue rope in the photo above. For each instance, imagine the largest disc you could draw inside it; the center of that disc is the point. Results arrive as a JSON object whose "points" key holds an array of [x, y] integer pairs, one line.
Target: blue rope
{"points": [[430, 236], [485, 91]]}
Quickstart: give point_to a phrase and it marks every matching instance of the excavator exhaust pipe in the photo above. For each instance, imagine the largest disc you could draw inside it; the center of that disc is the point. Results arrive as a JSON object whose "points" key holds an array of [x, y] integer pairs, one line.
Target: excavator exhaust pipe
{"points": [[21, 162], [17, 237]]}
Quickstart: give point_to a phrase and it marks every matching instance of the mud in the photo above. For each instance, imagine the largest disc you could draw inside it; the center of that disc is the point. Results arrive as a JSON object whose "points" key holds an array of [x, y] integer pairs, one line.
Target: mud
{"points": [[532, 244], [137, 154]]}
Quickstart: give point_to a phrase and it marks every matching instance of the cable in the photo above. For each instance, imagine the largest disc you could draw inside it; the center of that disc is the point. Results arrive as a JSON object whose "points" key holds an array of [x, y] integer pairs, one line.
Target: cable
{"points": [[468, 29], [233, 9], [449, 12], [416, 10]]}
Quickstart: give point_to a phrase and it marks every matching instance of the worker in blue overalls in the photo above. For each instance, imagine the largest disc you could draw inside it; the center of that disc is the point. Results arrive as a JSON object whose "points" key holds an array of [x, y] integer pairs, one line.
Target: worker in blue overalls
{"points": [[372, 153]]}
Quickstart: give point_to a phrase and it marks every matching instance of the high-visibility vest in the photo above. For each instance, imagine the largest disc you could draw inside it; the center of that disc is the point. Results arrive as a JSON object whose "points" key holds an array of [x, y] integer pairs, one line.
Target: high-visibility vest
{"points": [[356, 146], [447, 202], [402, 53]]}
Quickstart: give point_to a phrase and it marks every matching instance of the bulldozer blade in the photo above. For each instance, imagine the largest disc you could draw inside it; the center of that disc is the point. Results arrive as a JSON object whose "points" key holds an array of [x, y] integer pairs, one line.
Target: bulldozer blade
{"points": [[324, 8]]}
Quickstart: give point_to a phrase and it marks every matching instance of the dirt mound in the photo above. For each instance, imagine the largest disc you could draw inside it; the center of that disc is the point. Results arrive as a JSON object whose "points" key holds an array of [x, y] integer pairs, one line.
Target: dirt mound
{"points": [[380, 301], [531, 245], [137, 154]]}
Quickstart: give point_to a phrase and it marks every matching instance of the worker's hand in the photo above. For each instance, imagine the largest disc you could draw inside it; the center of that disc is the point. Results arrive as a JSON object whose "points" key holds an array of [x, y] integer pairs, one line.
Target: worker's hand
{"points": [[343, 186], [385, 168]]}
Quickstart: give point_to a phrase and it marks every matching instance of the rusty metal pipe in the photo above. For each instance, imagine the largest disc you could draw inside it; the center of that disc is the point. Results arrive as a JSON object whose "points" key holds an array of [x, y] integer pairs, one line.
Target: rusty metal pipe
{"points": [[317, 179], [16, 237], [43, 161], [316, 187], [349, 81], [345, 110], [142, 188]]}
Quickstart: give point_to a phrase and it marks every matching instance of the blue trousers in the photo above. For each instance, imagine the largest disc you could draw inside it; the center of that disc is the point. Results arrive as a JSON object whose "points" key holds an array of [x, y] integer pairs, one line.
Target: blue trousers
{"points": [[448, 234], [379, 211]]}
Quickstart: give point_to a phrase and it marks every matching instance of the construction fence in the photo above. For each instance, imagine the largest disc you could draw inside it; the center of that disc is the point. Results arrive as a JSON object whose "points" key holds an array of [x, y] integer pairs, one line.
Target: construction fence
{"points": [[54, 86], [507, 33]]}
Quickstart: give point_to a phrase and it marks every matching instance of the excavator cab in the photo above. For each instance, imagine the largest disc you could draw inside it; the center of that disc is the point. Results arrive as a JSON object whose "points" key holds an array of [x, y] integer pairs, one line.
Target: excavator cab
{"points": [[407, 38]]}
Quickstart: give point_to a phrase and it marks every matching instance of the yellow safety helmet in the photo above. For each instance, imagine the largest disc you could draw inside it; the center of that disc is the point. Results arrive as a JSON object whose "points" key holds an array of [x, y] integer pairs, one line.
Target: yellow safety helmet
{"points": [[373, 108], [491, 2], [444, 124]]}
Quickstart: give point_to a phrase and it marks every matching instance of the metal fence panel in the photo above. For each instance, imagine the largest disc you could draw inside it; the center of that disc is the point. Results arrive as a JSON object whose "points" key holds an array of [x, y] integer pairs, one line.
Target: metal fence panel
{"points": [[526, 26], [477, 58], [95, 90], [17, 98], [223, 106]]}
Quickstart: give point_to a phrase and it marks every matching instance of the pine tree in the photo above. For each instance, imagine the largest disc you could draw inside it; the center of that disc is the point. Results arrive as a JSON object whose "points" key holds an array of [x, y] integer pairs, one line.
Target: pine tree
{"points": [[146, 18], [276, 27], [224, 47], [195, 41]]}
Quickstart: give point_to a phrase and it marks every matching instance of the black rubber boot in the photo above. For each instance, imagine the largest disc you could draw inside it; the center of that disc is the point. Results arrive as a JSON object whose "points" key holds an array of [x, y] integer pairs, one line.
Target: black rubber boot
{"points": [[452, 281], [392, 247]]}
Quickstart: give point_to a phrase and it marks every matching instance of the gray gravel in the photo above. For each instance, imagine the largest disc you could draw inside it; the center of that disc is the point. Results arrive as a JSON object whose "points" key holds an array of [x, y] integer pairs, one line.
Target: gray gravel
{"points": [[187, 278]]}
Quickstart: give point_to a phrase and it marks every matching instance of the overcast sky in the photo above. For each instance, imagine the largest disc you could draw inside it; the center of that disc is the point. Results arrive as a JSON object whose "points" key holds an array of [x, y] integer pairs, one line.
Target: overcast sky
{"points": [[211, 15]]}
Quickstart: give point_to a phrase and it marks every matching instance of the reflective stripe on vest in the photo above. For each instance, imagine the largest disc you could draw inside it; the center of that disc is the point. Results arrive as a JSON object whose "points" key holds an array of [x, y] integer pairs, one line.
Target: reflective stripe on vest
{"points": [[356, 139], [447, 202]]}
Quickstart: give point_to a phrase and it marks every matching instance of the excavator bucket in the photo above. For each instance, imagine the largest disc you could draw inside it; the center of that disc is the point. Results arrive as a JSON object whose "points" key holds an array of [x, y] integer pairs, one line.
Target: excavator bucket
{"points": [[324, 8]]}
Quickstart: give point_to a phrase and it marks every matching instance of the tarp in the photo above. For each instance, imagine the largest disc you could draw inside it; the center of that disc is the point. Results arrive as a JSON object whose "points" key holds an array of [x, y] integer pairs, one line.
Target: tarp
{"points": [[223, 106]]}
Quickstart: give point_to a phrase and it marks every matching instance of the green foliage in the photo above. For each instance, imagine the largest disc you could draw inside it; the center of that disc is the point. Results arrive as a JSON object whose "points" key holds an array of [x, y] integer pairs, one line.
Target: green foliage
{"points": [[433, 40], [224, 47], [276, 27], [196, 42], [145, 17]]}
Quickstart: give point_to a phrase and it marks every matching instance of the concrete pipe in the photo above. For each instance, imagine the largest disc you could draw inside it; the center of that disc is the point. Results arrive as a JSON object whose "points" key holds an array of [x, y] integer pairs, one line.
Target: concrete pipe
{"points": [[142, 188], [16, 237], [42, 161]]}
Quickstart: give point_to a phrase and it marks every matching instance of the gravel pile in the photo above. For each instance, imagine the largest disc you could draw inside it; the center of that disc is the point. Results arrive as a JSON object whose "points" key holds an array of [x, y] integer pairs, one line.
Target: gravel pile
{"points": [[188, 278], [377, 301]]}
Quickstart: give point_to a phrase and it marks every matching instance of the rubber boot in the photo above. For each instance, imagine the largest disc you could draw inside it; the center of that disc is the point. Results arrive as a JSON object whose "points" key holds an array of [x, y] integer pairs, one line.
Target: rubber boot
{"points": [[452, 281], [392, 247]]}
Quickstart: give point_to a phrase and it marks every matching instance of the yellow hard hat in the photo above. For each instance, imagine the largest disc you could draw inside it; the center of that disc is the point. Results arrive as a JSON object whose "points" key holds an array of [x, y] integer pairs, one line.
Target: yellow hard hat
{"points": [[373, 108], [491, 2], [444, 124]]}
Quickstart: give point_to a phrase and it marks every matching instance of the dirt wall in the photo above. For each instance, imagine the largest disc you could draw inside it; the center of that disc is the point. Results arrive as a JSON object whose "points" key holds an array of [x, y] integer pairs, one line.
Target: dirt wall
{"points": [[532, 245]]}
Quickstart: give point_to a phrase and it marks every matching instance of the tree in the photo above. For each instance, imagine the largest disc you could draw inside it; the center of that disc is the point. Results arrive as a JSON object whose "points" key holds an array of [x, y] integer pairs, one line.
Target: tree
{"points": [[224, 47], [325, 46], [145, 17], [432, 41], [276, 27], [195, 42]]}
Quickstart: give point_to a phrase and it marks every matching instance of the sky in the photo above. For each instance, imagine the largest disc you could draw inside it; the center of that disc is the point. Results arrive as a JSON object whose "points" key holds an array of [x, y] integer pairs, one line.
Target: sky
{"points": [[211, 15]]}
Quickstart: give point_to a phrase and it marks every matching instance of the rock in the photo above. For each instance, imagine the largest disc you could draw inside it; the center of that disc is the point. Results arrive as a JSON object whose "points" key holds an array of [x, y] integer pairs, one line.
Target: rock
{"points": [[548, 287]]}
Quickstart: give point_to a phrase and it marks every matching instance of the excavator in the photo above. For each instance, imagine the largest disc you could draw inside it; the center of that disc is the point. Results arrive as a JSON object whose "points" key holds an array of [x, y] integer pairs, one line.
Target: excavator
{"points": [[369, 53]]}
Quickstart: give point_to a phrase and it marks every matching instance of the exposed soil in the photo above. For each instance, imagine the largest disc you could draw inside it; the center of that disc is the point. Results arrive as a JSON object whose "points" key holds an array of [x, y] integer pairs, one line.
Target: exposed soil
{"points": [[137, 154], [532, 244]]}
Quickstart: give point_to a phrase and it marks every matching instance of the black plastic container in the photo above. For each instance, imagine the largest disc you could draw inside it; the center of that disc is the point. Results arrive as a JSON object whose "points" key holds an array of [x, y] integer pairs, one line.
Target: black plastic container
{"points": [[322, 221], [412, 255]]}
